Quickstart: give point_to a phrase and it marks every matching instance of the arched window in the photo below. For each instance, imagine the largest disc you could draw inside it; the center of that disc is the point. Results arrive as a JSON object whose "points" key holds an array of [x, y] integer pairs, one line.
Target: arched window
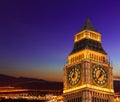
{"points": [[103, 59], [97, 58]]}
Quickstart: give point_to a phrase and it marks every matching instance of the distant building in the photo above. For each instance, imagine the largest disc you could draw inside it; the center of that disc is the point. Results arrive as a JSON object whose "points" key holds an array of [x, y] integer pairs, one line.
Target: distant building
{"points": [[88, 75], [117, 88], [29, 94]]}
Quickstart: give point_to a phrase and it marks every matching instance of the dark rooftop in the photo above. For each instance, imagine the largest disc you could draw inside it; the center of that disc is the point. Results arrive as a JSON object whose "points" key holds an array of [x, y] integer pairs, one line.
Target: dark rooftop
{"points": [[117, 86], [88, 26], [88, 44]]}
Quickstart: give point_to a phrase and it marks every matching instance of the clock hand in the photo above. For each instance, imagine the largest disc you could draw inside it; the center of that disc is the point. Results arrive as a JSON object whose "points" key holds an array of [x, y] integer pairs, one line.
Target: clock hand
{"points": [[73, 73], [100, 74]]}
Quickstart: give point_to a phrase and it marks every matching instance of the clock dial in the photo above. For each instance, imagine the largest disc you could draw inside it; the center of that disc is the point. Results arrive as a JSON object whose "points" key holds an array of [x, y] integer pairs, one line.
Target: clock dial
{"points": [[74, 75], [99, 75]]}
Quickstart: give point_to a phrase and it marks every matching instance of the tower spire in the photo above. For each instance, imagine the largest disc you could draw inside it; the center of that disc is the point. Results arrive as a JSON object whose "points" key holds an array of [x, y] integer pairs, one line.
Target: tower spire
{"points": [[88, 26]]}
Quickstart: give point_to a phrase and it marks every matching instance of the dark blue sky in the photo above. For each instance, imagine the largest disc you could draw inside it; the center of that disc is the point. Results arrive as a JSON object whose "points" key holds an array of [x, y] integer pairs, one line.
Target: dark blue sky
{"points": [[37, 35]]}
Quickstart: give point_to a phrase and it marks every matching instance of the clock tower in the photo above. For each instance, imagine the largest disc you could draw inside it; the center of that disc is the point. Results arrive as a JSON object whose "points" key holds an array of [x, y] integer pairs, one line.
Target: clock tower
{"points": [[88, 74]]}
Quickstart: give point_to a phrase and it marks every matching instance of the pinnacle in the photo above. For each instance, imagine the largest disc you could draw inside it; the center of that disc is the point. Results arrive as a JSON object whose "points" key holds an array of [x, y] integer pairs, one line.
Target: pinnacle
{"points": [[88, 26]]}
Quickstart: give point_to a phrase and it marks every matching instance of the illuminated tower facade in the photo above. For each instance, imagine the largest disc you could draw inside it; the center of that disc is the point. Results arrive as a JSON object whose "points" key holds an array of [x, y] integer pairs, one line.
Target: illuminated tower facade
{"points": [[88, 74]]}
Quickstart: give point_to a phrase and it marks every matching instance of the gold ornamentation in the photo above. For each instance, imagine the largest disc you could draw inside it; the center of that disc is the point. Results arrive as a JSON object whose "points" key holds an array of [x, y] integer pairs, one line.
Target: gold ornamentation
{"points": [[99, 75], [74, 75]]}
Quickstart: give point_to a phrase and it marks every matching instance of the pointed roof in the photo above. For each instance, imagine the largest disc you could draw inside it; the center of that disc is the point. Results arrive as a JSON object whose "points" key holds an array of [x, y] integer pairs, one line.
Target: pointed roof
{"points": [[88, 44], [88, 26]]}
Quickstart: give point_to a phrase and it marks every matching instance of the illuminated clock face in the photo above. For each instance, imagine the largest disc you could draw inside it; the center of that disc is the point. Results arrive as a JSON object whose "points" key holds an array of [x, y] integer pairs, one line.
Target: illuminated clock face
{"points": [[99, 75], [74, 75]]}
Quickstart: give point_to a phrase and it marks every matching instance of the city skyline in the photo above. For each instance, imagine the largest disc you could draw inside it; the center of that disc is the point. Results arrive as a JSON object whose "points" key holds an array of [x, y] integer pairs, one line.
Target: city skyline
{"points": [[37, 36]]}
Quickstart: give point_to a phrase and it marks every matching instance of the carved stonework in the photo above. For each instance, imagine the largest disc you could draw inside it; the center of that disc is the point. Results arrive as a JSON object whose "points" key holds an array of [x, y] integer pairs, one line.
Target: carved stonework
{"points": [[88, 76]]}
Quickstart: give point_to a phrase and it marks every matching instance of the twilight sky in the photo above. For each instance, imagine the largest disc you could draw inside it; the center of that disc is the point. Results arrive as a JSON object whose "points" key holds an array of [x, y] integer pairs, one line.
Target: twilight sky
{"points": [[36, 36]]}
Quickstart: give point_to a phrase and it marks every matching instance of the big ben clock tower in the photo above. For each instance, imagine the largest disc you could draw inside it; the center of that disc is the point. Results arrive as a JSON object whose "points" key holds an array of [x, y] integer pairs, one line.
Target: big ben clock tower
{"points": [[88, 75]]}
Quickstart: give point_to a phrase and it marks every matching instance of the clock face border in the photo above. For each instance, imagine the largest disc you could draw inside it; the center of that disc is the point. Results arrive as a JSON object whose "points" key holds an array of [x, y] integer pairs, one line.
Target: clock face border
{"points": [[99, 75], [74, 75]]}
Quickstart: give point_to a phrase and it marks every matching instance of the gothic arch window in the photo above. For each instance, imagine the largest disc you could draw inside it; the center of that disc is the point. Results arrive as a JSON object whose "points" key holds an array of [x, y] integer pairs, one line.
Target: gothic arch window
{"points": [[82, 56], [78, 37], [92, 56], [79, 57], [90, 34], [71, 60], [103, 59], [97, 58], [75, 58]]}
